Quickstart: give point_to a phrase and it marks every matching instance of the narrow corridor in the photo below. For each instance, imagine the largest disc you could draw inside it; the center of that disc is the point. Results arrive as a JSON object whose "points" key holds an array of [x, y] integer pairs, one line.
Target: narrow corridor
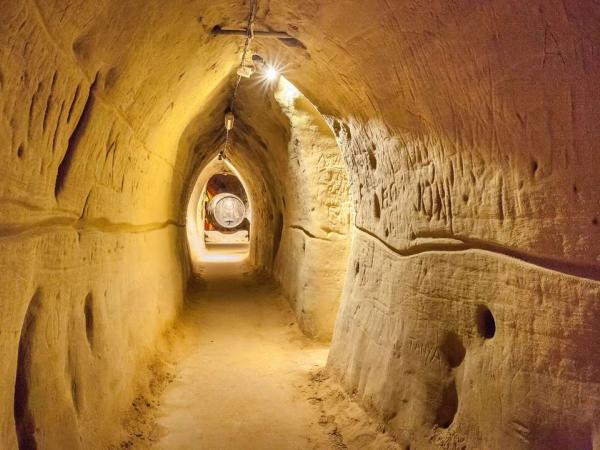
{"points": [[245, 377], [239, 386]]}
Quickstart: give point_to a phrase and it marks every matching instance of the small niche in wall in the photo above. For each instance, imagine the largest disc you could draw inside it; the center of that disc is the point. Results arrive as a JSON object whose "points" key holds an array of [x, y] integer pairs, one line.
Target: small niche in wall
{"points": [[453, 349], [448, 406], [486, 324], [376, 206], [372, 158], [88, 312]]}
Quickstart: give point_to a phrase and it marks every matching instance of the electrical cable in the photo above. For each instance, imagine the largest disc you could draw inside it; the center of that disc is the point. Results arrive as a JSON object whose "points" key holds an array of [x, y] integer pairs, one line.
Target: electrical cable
{"points": [[229, 117]]}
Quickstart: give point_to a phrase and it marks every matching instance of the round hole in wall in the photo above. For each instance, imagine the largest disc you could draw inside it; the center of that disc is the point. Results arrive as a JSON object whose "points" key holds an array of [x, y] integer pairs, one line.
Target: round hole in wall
{"points": [[595, 221], [486, 324], [534, 167]]}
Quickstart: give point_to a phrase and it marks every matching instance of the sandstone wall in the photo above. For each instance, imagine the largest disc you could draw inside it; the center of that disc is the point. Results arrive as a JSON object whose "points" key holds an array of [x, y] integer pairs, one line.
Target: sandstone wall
{"points": [[473, 192], [81, 309], [473, 361], [91, 182], [312, 258], [470, 133]]}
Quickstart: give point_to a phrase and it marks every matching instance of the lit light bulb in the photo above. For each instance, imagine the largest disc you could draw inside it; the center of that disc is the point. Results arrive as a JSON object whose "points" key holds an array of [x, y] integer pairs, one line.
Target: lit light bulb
{"points": [[271, 73]]}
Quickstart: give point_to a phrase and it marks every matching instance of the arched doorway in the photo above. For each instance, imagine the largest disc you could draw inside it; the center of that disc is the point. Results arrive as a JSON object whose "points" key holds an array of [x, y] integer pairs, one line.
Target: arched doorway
{"points": [[219, 215], [223, 209]]}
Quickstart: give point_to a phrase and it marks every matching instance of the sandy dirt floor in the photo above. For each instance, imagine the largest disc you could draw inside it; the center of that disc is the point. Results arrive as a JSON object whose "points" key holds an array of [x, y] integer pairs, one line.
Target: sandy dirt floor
{"points": [[241, 375]]}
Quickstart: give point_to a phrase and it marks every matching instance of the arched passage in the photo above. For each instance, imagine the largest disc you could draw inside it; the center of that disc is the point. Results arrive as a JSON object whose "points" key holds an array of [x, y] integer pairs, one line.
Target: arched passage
{"points": [[293, 170], [201, 230]]}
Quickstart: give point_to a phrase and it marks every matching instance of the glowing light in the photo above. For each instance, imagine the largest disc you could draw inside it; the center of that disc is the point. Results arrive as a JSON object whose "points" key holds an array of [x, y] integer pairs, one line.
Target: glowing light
{"points": [[271, 73], [220, 257], [290, 92], [229, 120]]}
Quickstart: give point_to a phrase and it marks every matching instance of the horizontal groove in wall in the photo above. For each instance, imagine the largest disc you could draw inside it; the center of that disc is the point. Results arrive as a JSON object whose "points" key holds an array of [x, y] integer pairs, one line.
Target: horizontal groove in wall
{"points": [[66, 223], [308, 233], [439, 244]]}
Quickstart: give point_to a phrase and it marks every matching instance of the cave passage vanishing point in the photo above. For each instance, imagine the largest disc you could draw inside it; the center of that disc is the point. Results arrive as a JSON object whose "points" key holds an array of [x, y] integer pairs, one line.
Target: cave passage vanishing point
{"points": [[421, 192]]}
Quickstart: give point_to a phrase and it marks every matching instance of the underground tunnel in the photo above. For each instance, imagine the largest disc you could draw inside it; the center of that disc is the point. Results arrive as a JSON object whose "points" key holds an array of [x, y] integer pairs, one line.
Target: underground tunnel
{"points": [[267, 224]]}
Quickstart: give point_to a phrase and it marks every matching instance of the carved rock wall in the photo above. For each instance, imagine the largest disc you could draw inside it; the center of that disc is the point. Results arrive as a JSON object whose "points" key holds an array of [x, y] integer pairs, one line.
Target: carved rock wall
{"points": [[91, 181], [312, 258]]}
